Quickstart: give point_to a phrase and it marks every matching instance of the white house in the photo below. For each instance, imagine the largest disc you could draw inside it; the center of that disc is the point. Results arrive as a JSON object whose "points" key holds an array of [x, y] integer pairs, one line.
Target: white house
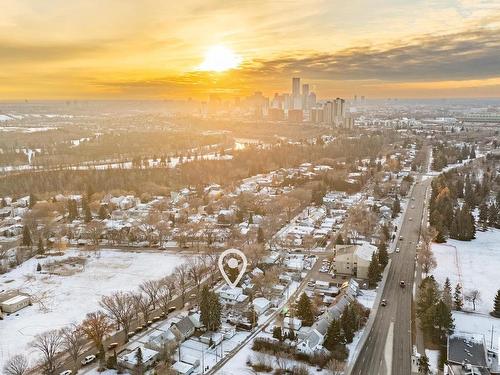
{"points": [[261, 305], [231, 296], [129, 359]]}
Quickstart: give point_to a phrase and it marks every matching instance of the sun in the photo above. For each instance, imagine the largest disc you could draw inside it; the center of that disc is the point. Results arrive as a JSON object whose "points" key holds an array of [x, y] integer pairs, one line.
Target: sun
{"points": [[219, 59]]}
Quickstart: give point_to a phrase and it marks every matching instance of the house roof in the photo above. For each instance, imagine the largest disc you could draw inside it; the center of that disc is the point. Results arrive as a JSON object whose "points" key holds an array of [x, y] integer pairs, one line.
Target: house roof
{"points": [[467, 348], [185, 325]]}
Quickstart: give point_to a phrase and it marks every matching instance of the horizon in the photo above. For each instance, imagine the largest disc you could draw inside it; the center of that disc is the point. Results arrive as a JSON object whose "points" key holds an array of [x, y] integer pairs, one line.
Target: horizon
{"points": [[122, 50]]}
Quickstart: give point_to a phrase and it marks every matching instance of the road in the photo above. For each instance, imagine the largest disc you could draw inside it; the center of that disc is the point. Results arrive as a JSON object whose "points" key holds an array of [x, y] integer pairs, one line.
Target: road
{"points": [[387, 349]]}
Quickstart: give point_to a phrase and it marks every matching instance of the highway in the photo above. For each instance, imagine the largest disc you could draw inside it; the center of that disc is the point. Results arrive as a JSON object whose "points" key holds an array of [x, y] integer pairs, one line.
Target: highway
{"points": [[387, 349]]}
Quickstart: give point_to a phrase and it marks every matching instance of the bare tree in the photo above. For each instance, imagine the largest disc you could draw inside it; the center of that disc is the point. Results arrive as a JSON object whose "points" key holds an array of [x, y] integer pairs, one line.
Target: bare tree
{"points": [[195, 271], [95, 326], [94, 231], [335, 366], [120, 307], [73, 342], [473, 296], [181, 272], [152, 289], [17, 365], [48, 344], [165, 295], [142, 304], [426, 258]]}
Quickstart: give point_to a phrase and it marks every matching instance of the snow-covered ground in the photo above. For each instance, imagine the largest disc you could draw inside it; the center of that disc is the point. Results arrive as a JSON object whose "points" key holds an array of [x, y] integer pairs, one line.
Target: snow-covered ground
{"points": [[473, 264], [67, 299], [479, 324], [433, 356], [367, 298]]}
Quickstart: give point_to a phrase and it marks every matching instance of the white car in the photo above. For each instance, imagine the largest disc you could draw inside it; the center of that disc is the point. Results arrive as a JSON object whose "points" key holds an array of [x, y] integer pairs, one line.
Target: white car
{"points": [[88, 359], [67, 372], [397, 249]]}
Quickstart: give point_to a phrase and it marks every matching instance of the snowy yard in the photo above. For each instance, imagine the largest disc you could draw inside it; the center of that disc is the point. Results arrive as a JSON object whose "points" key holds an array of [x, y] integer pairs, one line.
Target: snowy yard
{"points": [[67, 299], [479, 324], [473, 264]]}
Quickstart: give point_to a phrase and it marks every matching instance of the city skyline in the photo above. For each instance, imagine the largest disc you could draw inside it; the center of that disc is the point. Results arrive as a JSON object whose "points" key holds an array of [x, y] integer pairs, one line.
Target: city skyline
{"points": [[158, 50]]}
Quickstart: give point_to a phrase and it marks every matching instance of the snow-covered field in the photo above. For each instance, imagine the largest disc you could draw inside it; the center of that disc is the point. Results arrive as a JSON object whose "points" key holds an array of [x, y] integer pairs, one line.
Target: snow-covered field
{"points": [[68, 299], [479, 323], [474, 264]]}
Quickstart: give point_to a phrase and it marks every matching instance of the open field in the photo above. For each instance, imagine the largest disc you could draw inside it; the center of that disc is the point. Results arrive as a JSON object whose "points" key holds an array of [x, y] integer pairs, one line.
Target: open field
{"points": [[473, 264], [67, 297]]}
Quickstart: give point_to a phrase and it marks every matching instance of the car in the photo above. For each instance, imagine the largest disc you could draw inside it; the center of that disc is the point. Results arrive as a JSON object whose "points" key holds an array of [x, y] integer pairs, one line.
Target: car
{"points": [[88, 359], [384, 302], [413, 206], [401, 238], [397, 250], [112, 345], [411, 219], [402, 284], [412, 198], [171, 309], [67, 372]]}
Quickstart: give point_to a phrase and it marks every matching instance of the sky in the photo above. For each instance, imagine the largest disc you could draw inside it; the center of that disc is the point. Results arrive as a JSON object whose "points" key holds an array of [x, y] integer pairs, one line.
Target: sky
{"points": [[156, 49]]}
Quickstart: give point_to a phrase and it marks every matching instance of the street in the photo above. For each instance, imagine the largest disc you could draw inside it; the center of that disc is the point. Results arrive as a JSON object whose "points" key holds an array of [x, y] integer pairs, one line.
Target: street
{"points": [[387, 349]]}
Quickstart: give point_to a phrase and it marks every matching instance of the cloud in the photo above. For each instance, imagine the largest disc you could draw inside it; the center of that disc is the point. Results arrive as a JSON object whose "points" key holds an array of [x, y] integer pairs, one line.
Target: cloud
{"points": [[465, 55]]}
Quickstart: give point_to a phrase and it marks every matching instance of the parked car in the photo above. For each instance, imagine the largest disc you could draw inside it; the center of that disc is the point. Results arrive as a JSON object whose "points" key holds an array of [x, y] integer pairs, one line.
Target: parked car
{"points": [[88, 359], [397, 250], [67, 372], [384, 302]]}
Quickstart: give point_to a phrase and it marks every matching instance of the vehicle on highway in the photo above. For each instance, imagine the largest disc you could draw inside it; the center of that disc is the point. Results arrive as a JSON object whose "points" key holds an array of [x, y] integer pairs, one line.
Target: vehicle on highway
{"points": [[413, 206], [171, 309], [412, 198], [112, 345], [67, 372], [402, 284], [411, 219], [88, 359], [397, 250], [401, 238], [384, 302]]}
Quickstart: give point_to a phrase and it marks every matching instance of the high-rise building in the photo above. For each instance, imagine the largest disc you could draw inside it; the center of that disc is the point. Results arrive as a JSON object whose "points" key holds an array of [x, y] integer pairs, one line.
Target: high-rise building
{"points": [[305, 96], [295, 115], [328, 112], [296, 99], [311, 100]]}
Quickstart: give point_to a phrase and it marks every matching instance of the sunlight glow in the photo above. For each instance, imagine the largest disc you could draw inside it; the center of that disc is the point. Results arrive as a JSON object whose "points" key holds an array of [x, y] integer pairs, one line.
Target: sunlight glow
{"points": [[220, 58]]}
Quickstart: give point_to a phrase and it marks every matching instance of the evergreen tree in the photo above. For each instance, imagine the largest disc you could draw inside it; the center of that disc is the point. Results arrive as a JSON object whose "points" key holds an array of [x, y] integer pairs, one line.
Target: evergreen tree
{"points": [[396, 207], [333, 335], [40, 248], [210, 309], [496, 305], [348, 324], [38, 267], [72, 210], [440, 237], [87, 215], [457, 298], [304, 310], [423, 365], [373, 271], [139, 363], [383, 257], [427, 296], [26, 241], [483, 215], [339, 240], [250, 218], [32, 201], [447, 298], [103, 212], [442, 320], [260, 235], [493, 220], [278, 333]]}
